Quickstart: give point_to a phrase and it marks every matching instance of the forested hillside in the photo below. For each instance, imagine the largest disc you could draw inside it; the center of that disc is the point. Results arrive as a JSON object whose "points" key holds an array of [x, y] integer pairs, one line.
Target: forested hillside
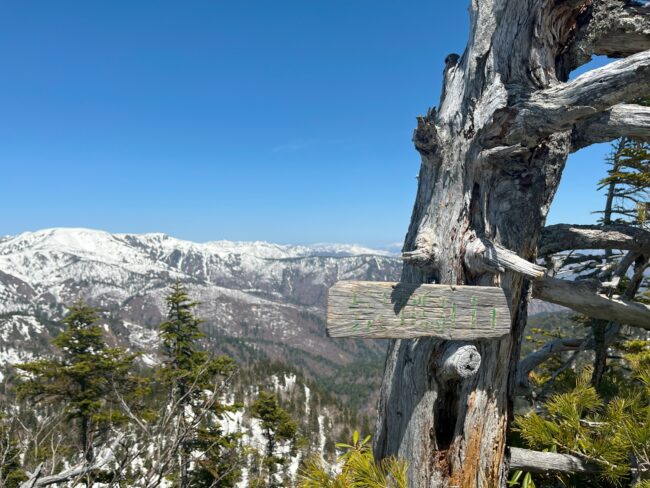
{"points": [[185, 415]]}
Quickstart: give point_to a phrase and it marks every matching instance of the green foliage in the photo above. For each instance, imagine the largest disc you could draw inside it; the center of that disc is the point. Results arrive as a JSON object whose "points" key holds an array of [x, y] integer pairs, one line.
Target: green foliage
{"points": [[84, 378], [220, 461], [179, 335], [358, 470], [276, 422], [579, 422], [627, 183], [278, 428], [522, 479], [195, 380], [11, 472]]}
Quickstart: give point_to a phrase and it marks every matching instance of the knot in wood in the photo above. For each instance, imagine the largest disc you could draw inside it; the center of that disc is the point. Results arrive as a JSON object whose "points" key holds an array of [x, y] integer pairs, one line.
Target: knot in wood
{"points": [[481, 256], [458, 362]]}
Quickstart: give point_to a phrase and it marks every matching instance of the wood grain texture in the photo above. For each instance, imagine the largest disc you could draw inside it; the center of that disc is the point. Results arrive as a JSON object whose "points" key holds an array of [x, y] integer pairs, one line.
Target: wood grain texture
{"points": [[564, 237], [549, 462], [458, 362], [623, 120], [580, 297], [367, 309]]}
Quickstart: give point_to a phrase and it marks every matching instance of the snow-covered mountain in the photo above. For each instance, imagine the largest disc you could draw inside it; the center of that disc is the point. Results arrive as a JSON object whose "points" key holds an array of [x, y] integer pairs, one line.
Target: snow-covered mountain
{"points": [[256, 297]]}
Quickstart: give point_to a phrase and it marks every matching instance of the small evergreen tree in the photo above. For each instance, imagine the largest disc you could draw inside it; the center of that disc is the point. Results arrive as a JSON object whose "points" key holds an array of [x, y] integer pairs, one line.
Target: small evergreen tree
{"points": [[83, 378], [11, 472], [278, 428], [195, 380]]}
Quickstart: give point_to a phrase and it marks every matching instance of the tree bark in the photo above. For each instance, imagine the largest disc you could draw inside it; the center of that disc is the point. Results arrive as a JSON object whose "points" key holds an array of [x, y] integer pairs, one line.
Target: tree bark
{"points": [[492, 158], [549, 462], [564, 237]]}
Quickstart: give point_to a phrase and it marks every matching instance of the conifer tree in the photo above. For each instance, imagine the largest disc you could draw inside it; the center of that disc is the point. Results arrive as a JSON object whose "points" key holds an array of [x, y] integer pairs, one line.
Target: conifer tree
{"points": [[278, 428], [195, 381], [83, 378], [11, 472], [627, 202]]}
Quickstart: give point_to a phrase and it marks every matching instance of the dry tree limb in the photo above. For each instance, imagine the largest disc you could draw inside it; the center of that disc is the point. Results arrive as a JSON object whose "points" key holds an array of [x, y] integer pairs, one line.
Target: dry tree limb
{"points": [[560, 107], [75, 472], [540, 356], [612, 28], [564, 237], [482, 256], [549, 462], [530, 362], [623, 120], [458, 362], [584, 299]]}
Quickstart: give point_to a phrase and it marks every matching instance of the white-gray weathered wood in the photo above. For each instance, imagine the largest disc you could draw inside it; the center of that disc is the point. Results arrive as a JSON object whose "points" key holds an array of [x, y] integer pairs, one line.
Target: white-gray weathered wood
{"points": [[483, 256], [106, 456], [612, 28], [458, 362], [549, 462], [563, 237], [563, 105], [581, 298], [623, 120], [486, 171], [380, 310]]}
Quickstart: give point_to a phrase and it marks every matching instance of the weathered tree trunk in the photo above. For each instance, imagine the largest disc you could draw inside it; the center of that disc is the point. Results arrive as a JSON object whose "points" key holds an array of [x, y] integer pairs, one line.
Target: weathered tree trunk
{"points": [[492, 158]]}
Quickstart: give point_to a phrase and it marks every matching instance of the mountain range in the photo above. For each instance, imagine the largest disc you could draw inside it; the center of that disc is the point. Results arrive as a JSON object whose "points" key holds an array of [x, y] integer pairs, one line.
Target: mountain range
{"points": [[259, 300]]}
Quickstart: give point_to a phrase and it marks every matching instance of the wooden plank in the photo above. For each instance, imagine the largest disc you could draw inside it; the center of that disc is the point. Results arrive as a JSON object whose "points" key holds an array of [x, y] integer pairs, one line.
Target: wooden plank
{"points": [[367, 309]]}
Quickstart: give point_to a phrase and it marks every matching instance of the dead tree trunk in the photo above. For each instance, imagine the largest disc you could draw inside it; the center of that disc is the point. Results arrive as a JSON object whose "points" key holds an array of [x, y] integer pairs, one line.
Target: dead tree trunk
{"points": [[492, 158]]}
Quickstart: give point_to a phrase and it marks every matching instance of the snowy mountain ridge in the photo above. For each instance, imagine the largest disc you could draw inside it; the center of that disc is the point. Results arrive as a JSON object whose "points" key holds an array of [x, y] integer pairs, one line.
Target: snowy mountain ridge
{"points": [[91, 241]]}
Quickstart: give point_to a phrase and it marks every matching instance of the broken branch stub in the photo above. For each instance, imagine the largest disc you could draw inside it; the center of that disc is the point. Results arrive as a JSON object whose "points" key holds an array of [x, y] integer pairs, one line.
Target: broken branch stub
{"points": [[458, 362]]}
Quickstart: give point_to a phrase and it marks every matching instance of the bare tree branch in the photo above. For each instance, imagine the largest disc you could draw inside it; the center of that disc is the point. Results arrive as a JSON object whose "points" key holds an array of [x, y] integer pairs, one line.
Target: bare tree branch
{"points": [[564, 237], [527, 364], [623, 120], [584, 299], [77, 471], [549, 462], [482, 256], [621, 271], [560, 107], [613, 28], [534, 359]]}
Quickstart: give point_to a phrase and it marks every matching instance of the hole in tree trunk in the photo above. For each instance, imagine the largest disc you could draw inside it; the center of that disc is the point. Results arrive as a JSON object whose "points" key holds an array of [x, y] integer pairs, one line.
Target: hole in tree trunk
{"points": [[446, 409]]}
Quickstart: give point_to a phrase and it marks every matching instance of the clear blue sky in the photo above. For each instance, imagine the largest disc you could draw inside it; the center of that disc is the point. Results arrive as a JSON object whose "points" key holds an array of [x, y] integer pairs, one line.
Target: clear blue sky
{"points": [[287, 121]]}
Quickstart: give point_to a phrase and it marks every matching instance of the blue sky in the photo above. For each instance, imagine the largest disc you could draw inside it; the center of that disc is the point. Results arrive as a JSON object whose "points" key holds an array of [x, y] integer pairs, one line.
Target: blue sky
{"points": [[287, 121]]}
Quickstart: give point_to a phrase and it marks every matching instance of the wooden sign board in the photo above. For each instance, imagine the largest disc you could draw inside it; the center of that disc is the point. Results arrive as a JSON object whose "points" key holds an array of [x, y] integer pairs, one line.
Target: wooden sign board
{"points": [[375, 310]]}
